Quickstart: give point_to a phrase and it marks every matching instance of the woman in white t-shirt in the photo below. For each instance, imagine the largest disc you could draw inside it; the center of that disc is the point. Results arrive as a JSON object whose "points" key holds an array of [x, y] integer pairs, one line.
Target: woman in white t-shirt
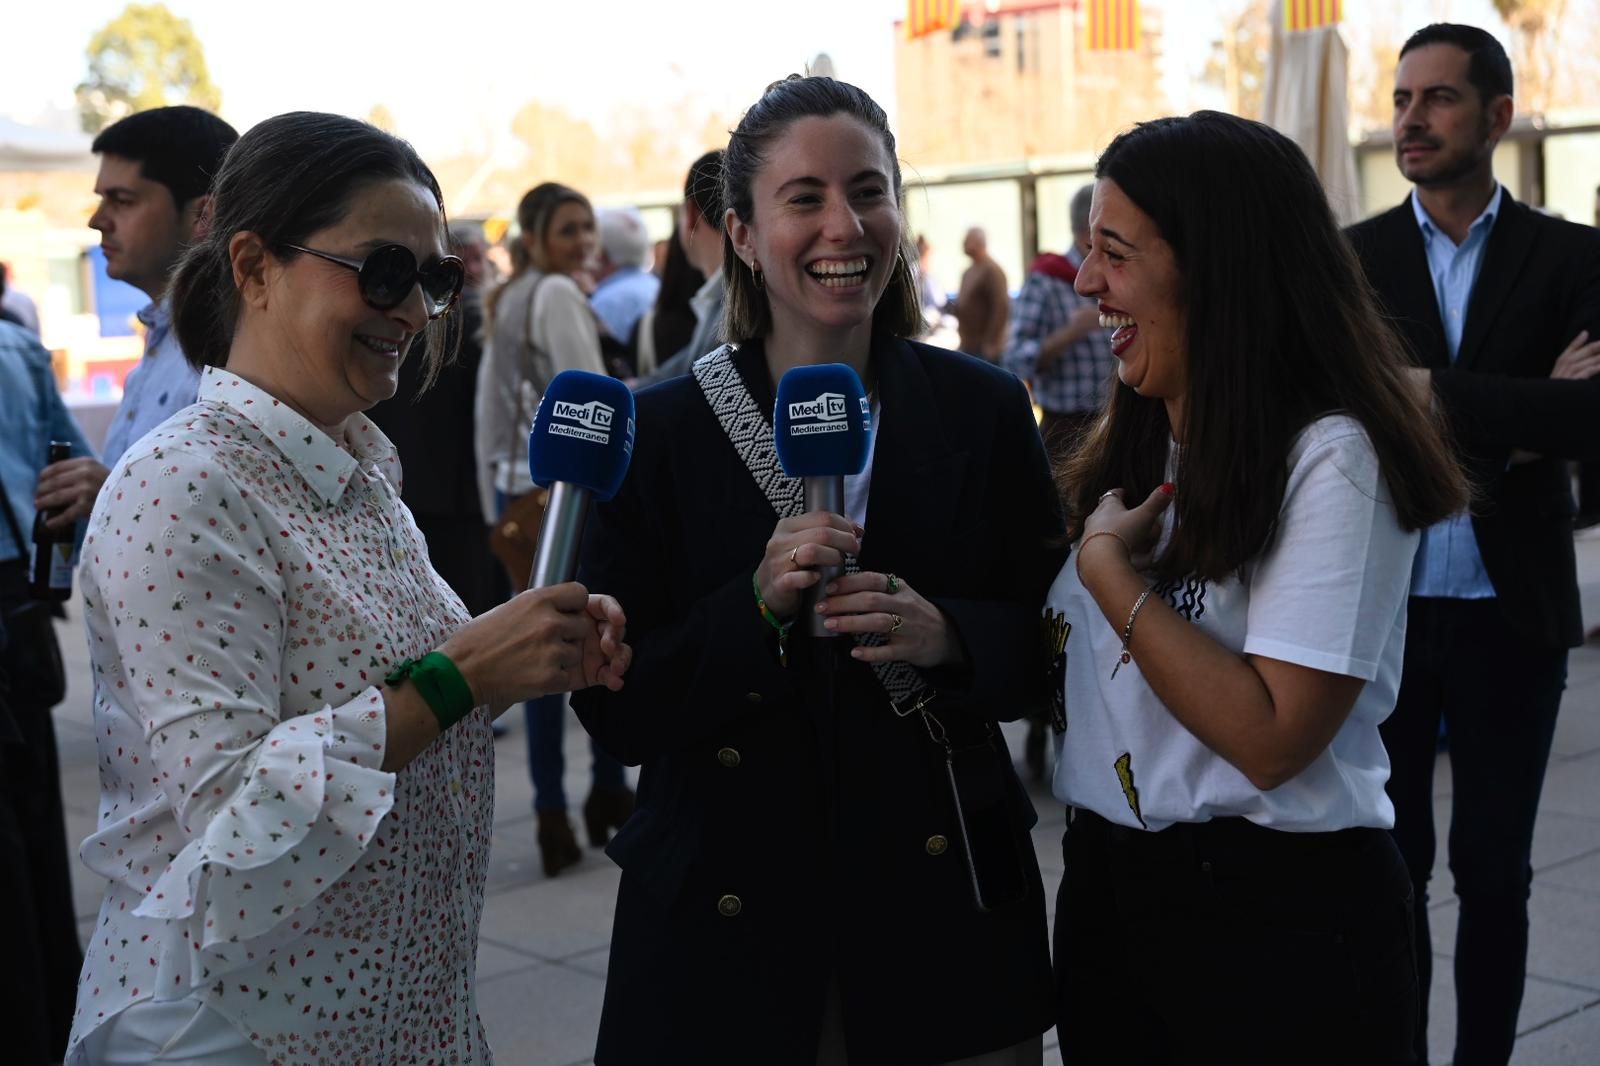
{"points": [[1228, 630]]}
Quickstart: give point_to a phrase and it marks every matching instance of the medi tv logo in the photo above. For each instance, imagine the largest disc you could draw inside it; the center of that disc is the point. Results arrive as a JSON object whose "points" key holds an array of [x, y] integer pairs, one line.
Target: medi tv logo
{"points": [[585, 421], [825, 414]]}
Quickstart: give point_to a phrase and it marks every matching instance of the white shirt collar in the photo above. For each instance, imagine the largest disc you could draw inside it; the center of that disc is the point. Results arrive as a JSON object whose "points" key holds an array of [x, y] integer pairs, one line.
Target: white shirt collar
{"points": [[327, 467]]}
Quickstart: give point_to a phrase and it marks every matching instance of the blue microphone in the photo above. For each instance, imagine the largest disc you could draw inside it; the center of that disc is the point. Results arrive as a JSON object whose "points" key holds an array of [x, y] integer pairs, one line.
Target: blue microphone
{"points": [[822, 425], [579, 449]]}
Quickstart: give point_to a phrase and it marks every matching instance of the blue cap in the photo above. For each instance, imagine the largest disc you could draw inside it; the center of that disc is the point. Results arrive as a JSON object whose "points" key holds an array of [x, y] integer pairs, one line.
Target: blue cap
{"points": [[822, 421], [583, 434]]}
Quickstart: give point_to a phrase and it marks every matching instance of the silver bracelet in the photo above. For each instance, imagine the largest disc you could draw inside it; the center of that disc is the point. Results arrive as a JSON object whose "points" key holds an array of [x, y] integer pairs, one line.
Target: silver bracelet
{"points": [[1127, 632]]}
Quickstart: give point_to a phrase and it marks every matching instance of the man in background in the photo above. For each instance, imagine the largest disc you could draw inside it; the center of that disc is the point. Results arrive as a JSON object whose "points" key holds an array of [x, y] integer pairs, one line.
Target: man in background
{"points": [[1501, 306], [155, 175], [1057, 345], [700, 231], [40, 961], [15, 305], [983, 302], [624, 288]]}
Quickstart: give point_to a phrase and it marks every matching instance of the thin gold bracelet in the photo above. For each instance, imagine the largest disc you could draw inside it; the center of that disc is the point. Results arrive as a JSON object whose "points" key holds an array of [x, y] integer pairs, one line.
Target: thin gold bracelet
{"points": [[1100, 533]]}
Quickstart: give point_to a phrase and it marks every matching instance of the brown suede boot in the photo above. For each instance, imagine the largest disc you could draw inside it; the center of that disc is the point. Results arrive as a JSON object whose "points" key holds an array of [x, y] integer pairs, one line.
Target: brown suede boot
{"points": [[606, 809], [558, 845]]}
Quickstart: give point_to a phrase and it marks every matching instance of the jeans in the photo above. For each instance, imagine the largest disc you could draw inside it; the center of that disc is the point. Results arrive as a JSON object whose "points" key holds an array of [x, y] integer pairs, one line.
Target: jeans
{"points": [[546, 718], [1498, 693], [1223, 942]]}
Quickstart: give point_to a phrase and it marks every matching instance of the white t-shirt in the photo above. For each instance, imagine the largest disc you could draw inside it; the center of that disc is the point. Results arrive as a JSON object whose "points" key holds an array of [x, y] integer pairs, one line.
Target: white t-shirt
{"points": [[1329, 593]]}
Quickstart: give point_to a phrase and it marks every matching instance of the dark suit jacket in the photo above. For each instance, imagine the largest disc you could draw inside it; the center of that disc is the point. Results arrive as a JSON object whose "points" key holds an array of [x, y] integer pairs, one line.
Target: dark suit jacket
{"points": [[1538, 287], [818, 811]]}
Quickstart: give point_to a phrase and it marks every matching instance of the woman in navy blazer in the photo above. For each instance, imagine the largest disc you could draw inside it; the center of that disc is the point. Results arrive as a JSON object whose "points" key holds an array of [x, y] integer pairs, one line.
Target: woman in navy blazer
{"points": [[795, 886]]}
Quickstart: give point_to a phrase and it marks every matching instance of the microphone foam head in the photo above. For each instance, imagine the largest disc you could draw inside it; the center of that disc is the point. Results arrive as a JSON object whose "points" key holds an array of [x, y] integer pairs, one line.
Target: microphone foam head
{"points": [[583, 433], [822, 421]]}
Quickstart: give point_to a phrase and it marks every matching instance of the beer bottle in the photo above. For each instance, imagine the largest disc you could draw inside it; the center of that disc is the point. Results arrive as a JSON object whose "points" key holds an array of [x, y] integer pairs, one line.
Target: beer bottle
{"points": [[50, 579]]}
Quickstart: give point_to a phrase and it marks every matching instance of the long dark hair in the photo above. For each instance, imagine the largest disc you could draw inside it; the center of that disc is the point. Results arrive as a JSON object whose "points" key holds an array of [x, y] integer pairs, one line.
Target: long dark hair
{"points": [[1282, 327], [285, 179], [746, 312], [673, 324]]}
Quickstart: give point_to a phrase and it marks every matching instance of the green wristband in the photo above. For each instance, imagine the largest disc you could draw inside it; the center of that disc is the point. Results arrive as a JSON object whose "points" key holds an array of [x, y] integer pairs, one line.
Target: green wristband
{"points": [[766, 612], [440, 684]]}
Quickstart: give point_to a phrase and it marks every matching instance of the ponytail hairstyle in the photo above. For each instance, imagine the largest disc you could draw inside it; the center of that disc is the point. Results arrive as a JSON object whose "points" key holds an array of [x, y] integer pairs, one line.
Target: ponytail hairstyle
{"points": [[746, 313], [285, 179]]}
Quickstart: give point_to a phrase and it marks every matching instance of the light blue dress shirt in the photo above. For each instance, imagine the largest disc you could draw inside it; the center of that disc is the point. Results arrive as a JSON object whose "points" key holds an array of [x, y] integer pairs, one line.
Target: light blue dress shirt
{"points": [[622, 297], [1448, 562], [160, 386], [34, 416]]}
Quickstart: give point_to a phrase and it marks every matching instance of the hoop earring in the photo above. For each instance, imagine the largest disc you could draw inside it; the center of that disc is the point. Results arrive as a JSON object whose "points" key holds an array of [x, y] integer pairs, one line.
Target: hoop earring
{"points": [[759, 278]]}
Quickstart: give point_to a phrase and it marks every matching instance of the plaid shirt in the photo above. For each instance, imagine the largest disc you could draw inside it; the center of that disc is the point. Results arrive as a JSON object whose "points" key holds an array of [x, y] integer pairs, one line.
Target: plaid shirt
{"points": [[1079, 379]]}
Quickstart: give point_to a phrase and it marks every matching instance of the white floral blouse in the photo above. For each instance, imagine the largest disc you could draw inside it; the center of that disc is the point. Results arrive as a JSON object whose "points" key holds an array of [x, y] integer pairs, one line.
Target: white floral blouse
{"points": [[247, 584]]}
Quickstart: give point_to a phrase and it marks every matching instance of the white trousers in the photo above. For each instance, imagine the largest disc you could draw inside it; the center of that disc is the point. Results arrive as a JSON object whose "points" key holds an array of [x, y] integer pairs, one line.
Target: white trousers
{"points": [[171, 1031]]}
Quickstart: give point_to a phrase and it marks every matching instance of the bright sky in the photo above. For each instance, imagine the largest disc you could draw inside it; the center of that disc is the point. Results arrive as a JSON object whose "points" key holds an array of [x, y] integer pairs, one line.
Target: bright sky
{"points": [[453, 72]]}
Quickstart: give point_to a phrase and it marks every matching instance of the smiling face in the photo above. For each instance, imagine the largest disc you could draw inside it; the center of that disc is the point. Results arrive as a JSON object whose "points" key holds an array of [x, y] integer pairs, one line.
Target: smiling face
{"points": [[569, 239], [142, 230], [824, 226], [1444, 131], [1133, 273], [335, 354]]}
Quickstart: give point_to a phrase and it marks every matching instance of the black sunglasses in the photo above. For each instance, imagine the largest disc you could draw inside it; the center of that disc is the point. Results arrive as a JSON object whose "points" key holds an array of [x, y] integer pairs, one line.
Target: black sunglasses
{"points": [[387, 274]]}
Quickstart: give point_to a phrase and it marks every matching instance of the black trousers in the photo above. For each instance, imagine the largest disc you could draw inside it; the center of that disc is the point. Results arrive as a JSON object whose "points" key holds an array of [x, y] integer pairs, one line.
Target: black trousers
{"points": [[41, 957], [1223, 942], [1498, 694]]}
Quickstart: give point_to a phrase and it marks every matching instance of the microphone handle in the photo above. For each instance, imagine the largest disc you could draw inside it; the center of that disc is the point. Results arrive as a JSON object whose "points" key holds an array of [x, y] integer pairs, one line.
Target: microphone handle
{"points": [[555, 559], [822, 494]]}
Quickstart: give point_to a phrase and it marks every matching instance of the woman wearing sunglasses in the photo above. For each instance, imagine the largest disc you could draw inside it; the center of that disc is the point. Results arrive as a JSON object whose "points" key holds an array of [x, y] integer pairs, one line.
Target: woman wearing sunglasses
{"points": [[540, 324], [293, 709]]}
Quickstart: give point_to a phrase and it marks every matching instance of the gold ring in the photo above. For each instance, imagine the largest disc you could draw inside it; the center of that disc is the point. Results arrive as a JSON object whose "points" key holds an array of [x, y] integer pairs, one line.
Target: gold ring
{"points": [[891, 584], [895, 623], [792, 553]]}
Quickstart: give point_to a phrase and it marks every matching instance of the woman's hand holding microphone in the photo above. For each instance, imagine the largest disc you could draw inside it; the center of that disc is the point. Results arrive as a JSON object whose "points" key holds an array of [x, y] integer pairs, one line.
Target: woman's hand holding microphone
{"points": [[915, 631], [556, 639]]}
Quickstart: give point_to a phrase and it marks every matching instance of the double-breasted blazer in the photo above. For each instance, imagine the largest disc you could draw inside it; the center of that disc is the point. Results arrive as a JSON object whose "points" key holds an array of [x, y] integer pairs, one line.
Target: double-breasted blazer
{"points": [[789, 833]]}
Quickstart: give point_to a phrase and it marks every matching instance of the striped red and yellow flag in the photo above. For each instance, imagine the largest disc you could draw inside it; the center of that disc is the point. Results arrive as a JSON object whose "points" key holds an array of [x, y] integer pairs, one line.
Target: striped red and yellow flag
{"points": [[1311, 14], [930, 16], [1113, 25]]}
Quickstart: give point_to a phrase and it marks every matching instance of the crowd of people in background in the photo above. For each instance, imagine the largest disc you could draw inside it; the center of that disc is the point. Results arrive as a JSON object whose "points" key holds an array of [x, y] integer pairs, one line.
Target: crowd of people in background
{"points": [[1314, 527]]}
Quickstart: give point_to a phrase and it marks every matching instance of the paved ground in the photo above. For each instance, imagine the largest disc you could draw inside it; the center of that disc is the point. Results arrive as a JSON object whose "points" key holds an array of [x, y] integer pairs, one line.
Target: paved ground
{"points": [[542, 963]]}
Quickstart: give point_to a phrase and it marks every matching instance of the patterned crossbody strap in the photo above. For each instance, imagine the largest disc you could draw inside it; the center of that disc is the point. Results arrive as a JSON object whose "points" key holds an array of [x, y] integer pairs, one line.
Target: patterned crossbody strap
{"points": [[751, 437]]}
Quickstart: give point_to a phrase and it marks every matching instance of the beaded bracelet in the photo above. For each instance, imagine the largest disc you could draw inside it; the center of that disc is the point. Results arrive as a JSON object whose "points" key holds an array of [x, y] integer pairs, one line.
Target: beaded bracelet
{"points": [[771, 619]]}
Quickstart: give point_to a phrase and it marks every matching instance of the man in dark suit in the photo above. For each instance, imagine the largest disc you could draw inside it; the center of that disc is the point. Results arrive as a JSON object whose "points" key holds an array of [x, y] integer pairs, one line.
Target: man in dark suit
{"points": [[1498, 303]]}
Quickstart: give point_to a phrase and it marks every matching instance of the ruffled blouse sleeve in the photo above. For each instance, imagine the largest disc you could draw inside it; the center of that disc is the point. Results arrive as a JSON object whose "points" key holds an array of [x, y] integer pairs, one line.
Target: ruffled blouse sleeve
{"points": [[272, 803]]}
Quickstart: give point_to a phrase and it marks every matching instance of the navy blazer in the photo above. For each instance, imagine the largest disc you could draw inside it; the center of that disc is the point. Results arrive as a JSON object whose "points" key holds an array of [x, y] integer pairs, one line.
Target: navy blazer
{"points": [[784, 837], [1539, 285]]}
